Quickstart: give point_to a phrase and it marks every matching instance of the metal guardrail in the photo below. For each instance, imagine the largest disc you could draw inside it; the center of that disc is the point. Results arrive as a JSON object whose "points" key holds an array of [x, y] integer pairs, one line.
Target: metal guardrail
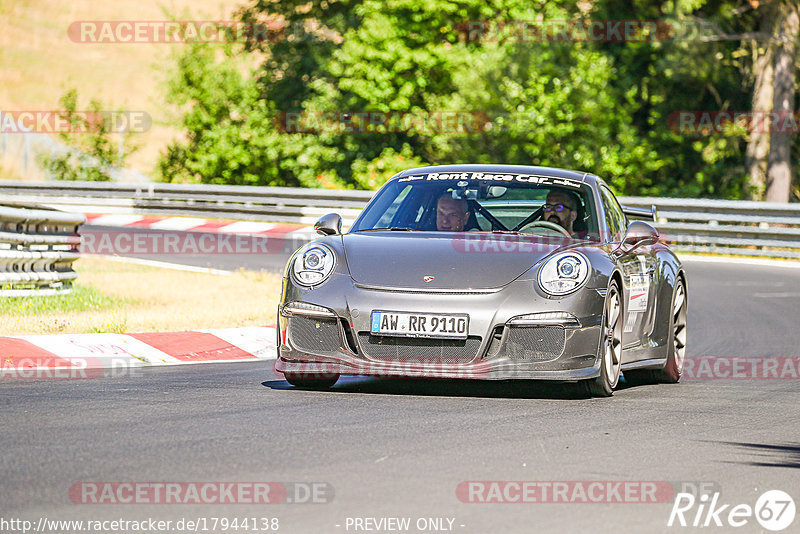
{"points": [[37, 249], [734, 227], [274, 204], [717, 226]]}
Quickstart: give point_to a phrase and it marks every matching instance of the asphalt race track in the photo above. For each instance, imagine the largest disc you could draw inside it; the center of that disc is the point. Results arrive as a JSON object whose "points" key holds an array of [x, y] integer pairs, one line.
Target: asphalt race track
{"points": [[400, 449]]}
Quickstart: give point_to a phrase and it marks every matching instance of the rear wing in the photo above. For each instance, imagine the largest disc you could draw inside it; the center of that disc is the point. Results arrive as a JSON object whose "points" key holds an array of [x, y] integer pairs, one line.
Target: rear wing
{"points": [[646, 214]]}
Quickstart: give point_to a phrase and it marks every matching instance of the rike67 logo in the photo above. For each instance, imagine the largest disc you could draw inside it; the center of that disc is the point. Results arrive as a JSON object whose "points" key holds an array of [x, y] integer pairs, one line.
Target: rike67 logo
{"points": [[774, 510]]}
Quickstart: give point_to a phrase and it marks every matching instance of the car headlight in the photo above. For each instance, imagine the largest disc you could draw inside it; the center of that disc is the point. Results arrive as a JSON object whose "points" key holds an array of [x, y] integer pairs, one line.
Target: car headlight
{"points": [[564, 273], [313, 265]]}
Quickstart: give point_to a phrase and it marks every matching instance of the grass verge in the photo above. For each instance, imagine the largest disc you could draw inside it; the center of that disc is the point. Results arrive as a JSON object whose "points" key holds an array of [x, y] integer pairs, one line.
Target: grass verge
{"points": [[111, 296]]}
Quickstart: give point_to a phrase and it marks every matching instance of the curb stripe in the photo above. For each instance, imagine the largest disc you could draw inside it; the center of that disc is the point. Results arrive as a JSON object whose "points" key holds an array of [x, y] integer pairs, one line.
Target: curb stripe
{"points": [[190, 224], [193, 346], [177, 223], [115, 219], [19, 353], [144, 223], [90, 351], [259, 341], [247, 227], [211, 226], [99, 348]]}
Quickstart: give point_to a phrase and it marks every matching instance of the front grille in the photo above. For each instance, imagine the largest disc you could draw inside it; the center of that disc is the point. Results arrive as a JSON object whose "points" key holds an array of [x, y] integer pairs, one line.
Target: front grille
{"points": [[422, 350], [314, 334], [538, 343]]}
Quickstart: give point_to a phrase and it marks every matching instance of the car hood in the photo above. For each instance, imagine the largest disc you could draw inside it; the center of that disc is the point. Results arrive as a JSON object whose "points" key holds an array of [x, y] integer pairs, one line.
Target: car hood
{"points": [[469, 260]]}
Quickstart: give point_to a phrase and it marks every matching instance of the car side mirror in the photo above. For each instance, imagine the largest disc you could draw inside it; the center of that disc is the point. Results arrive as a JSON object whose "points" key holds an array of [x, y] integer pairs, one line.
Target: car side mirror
{"points": [[638, 234], [329, 224]]}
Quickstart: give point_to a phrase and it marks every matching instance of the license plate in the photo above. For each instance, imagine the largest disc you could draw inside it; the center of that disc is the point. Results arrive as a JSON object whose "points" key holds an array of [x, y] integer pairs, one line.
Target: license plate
{"points": [[432, 325]]}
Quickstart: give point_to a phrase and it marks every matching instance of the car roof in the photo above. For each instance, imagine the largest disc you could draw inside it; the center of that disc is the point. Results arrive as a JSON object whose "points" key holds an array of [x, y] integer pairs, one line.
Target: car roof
{"points": [[581, 176]]}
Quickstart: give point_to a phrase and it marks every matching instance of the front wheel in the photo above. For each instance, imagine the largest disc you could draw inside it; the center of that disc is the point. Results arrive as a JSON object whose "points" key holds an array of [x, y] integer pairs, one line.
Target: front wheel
{"points": [[610, 344], [311, 380]]}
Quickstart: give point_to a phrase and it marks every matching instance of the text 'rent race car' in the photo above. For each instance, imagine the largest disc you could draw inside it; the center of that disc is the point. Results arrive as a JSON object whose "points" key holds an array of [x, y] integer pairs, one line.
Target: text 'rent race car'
{"points": [[485, 272]]}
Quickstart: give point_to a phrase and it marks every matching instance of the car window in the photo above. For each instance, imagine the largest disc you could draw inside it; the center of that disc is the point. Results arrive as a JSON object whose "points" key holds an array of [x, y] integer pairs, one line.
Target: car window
{"points": [[615, 218], [391, 210], [502, 202]]}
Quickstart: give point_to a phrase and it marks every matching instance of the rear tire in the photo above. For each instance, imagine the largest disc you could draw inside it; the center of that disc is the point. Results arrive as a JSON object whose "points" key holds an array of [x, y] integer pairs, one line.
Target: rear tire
{"points": [[673, 369], [610, 344], [311, 380]]}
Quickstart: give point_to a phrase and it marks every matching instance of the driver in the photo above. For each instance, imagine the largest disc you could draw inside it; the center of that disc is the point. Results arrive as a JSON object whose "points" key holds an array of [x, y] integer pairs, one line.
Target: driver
{"points": [[451, 214], [561, 207]]}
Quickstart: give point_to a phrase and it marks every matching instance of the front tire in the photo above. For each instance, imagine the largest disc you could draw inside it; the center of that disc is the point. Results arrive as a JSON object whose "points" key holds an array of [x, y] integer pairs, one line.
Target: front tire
{"points": [[610, 344], [311, 380]]}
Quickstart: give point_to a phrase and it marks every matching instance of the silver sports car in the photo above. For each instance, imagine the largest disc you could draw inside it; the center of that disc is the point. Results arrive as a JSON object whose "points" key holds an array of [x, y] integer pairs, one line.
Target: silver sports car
{"points": [[485, 272]]}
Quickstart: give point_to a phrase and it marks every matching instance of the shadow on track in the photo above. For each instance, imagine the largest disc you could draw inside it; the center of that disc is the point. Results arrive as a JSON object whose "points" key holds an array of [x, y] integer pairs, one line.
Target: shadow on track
{"points": [[787, 455]]}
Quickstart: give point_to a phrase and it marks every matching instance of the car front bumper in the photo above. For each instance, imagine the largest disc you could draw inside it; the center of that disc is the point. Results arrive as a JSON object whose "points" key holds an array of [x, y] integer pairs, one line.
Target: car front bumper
{"points": [[506, 338]]}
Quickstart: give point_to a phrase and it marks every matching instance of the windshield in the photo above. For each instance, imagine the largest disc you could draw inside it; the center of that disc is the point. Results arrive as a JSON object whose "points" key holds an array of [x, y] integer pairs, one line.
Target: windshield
{"points": [[483, 202]]}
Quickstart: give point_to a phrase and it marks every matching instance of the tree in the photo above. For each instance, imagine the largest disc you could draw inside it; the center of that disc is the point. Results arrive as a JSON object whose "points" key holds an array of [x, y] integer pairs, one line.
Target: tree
{"points": [[545, 103], [758, 144], [779, 162], [603, 107], [230, 138], [89, 152]]}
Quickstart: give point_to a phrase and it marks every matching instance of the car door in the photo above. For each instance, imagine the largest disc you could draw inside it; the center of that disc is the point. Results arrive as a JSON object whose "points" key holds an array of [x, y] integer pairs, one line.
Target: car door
{"points": [[638, 271]]}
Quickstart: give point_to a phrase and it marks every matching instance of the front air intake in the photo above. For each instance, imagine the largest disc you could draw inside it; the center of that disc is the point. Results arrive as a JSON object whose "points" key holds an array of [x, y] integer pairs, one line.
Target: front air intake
{"points": [[314, 335], [536, 344]]}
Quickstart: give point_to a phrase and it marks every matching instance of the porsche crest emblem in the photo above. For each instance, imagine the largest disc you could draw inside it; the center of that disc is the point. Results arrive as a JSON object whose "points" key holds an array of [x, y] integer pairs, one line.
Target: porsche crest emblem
{"points": [[427, 278]]}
